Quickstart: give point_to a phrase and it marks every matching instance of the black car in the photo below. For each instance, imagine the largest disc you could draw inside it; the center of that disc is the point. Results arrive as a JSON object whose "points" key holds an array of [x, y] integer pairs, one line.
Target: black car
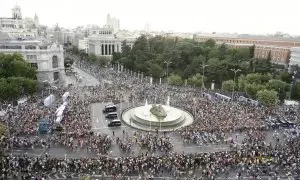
{"points": [[110, 108], [115, 122], [112, 115]]}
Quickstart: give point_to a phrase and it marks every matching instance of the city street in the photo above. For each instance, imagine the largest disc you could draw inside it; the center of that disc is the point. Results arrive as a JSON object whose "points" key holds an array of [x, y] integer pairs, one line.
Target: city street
{"points": [[86, 79]]}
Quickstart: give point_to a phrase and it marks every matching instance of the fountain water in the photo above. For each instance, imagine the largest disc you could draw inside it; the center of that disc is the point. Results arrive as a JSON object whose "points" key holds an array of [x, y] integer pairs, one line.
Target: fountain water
{"points": [[149, 117]]}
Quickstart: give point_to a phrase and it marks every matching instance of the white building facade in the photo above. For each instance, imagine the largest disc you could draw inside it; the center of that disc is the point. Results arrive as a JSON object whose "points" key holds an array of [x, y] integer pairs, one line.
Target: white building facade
{"points": [[295, 56], [17, 26], [19, 35], [103, 42], [47, 58], [83, 44]]}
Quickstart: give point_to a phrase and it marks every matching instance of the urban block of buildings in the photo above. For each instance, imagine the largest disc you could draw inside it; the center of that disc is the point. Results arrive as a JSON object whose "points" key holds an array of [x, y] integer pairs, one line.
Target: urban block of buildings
{"points": [[103, 41], [18, 35]]}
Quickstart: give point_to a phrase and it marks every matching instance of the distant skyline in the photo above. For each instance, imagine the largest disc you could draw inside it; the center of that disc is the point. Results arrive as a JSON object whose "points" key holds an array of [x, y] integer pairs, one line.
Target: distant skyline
{"points": [[231, 16]]}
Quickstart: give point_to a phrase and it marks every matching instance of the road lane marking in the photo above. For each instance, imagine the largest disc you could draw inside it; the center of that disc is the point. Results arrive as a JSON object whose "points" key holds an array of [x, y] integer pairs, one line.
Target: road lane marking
{"points": [[108, 127]]}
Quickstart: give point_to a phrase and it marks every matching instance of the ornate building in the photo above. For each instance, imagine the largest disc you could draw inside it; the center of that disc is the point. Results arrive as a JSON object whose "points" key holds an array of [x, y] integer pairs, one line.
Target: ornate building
{"points": [[17, 26], [48, 58], [103, 42], [15, 22], [19, 35]]}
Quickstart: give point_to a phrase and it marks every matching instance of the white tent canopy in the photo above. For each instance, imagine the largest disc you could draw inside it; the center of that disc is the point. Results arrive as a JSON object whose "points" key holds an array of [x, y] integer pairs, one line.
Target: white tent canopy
{"points": [[49, 100], [65, 96], [61, 108], [58, 119], [59, 113]]}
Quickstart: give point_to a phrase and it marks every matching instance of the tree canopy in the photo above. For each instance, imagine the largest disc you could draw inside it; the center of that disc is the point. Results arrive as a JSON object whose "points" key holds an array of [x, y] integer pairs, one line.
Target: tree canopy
{"points": [[17, 77], [149, 55]]}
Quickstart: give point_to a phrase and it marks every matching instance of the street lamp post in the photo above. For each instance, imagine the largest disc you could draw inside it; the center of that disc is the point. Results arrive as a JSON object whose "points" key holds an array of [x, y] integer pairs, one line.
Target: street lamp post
{"points": [[168, 62], [203, 68], [235, 71]]}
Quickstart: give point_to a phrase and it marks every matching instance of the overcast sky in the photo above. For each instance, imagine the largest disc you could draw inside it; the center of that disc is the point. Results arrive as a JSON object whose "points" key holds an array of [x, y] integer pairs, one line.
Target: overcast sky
{"points": [[241, 16]]}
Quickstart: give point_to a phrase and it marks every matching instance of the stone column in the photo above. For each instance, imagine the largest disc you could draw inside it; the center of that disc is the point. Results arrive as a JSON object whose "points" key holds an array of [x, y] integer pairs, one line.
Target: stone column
{"points": [[104, 49], [100, 49]]}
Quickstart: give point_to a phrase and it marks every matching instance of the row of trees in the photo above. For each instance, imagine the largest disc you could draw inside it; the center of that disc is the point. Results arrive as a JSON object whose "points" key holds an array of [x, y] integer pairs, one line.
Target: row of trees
{"points": [[184, 56], [185, 59], [17, 77]]}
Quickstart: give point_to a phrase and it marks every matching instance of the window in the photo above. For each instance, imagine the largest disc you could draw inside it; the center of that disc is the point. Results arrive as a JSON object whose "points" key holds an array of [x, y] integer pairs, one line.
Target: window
{"points": [[31, 57], [34, 65], [30, 47], [54, 62], [56, 76]]}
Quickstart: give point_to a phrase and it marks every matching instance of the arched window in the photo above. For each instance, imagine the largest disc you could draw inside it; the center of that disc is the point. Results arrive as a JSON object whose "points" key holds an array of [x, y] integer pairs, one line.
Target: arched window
{"points": [[54, 62]]}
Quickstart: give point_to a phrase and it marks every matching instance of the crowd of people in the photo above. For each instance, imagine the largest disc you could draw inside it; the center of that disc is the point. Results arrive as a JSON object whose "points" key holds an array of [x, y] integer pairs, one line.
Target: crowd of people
{"points": [[214, 121]]}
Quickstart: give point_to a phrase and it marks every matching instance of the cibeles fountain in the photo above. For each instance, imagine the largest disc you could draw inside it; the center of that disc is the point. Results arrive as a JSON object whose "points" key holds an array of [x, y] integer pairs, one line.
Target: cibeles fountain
{"points": [[153, 117]]}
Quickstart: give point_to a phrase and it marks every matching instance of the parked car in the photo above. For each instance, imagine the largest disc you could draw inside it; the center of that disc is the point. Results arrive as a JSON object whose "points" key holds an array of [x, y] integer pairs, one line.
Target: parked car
{"points": [[112, 115], [115, 122]]}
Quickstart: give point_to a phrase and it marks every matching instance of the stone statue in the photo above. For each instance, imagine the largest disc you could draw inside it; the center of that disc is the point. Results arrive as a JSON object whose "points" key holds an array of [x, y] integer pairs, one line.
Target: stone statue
{"points": [[158, 111]]}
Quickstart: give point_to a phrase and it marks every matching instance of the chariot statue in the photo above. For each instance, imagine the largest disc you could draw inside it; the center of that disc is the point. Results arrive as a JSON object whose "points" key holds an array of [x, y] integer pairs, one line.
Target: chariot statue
{"points": [[158, 111]]}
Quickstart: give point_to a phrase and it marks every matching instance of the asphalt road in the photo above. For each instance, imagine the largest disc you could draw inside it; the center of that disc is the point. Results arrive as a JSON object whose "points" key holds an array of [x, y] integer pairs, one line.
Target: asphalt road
{"points": [[87, 79]]}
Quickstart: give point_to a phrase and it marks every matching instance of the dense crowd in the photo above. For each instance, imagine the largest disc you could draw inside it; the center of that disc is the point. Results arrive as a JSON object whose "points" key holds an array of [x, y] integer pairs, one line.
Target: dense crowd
{"points": [[214, 121]]}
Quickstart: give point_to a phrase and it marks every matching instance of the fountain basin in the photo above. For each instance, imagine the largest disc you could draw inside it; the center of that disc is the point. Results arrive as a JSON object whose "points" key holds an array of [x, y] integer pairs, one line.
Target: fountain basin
{"points": [[141, 118]]}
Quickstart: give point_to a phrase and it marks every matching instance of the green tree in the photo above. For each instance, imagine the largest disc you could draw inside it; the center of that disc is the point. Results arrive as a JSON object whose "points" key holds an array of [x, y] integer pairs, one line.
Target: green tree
{"points": [[196, 80], [296, 91], [267, 97], [251, 50], [284, 76], [125, 49], [175, 79], [210, 43], [16, 77], [156, 70], [228, 85], [102, 61], [257, 78], [252, 89], [92, 57], [214, 54], [261, 66], [280, 86], [116, 56], [277, 84], [75, 50]]}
